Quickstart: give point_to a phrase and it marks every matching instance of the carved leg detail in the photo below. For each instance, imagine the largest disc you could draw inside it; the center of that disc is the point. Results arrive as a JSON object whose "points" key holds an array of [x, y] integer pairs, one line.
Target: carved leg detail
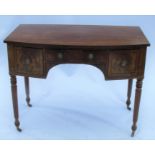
{"points": [[27, 90], [15, 101], [128, 102], [136, 105]]}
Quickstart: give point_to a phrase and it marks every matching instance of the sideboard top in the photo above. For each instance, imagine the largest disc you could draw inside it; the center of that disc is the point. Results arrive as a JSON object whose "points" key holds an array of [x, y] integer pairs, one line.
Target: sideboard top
{"points": [[77, 35]]}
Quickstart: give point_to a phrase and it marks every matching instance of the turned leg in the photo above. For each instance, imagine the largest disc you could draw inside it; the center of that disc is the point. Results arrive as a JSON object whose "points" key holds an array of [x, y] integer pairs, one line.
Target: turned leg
{"points": [[128, 102], [15, 101], [27, 90], [136, 105]]}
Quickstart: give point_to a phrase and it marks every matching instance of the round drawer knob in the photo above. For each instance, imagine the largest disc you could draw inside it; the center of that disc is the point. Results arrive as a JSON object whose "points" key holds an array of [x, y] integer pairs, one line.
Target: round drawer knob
{"points": [[91, 56], [27, 61], [124, 63], [60, 55]]}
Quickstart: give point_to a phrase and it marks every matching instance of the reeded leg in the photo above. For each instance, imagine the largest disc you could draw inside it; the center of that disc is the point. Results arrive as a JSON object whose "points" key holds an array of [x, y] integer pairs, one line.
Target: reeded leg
{"points": [[27, 90], [128, 102], [136, 105], [15, 101]]}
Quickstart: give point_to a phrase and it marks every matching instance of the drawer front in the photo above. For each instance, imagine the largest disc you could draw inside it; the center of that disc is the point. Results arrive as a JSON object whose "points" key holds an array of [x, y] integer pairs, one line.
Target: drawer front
{"points": [[76, 56], [29, 61], [122, 63]]}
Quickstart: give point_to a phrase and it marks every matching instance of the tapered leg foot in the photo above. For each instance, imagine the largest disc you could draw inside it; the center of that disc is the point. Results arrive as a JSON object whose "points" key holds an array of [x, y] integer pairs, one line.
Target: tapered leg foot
{"points": [[28, 102], [27, 90], [128, 102], [136, 105], [134, 127], [19, 129], [17, 124], [29, 105], [128, 107]]}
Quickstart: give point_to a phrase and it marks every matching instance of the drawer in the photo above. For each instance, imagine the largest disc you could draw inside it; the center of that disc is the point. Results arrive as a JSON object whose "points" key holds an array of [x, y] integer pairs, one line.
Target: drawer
{"points": [[29, 61], [76, 56], [122, 63]]}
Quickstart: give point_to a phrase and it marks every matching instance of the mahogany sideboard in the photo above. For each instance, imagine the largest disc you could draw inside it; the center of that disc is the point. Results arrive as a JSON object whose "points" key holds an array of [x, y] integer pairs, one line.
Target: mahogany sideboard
{"points": [[118, 51]]}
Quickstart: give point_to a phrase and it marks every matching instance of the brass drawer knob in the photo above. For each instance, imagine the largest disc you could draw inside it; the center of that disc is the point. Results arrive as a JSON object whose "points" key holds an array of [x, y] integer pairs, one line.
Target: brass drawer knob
{"points": [[60, 55], [124, 63], [91, 56], [27, 61]]}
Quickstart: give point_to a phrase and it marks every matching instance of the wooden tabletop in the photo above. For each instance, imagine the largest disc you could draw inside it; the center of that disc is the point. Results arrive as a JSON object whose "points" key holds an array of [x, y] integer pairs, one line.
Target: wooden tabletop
{"points": [[77, 35]]}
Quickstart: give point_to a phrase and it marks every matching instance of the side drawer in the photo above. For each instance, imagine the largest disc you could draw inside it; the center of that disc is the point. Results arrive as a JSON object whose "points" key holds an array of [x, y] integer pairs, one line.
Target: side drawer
{"points": [[29, 61], [123, 63]]}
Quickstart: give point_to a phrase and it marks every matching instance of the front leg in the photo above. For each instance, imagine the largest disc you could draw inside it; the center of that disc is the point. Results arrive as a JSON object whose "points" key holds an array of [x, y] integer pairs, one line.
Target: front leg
{"points": [[15, 101], [136, 105], [27, 90]]}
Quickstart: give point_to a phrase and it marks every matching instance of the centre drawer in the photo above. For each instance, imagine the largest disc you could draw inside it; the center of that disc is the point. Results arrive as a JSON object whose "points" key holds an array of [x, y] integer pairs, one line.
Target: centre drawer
{"points": [[76, 56]]}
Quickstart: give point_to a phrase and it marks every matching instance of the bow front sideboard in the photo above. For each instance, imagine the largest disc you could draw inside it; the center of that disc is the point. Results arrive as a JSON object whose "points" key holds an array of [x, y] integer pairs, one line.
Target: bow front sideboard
{"points": [[118, 51]]}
